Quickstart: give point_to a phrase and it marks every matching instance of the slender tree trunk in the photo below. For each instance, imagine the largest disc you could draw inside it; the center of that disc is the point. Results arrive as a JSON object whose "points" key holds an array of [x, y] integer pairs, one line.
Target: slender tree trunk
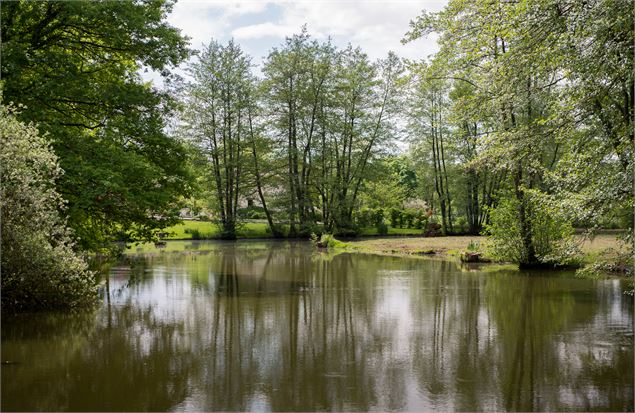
{"points": [[292, 194], [274, 229], [445, 176]]}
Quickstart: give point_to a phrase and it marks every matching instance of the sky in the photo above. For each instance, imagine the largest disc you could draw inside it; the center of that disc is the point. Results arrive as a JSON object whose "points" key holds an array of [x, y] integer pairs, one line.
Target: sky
{"points": [[377, 26]]}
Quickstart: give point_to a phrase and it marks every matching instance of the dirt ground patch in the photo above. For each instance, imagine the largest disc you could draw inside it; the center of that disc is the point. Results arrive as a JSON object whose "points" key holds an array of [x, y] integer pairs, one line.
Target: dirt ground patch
{"points": [[453, 245]]}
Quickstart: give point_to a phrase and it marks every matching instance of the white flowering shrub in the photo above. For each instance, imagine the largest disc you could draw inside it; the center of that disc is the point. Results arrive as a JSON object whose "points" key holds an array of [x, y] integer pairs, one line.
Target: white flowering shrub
{"points": [[40, 268]]}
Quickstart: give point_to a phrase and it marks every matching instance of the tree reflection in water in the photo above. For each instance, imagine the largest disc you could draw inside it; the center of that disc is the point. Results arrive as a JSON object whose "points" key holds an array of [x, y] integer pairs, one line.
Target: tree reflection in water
{"points": [[277, 326]]}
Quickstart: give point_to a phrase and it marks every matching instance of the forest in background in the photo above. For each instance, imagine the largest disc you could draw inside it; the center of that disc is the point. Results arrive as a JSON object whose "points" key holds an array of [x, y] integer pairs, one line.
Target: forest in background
{"points": [[520, 127]]}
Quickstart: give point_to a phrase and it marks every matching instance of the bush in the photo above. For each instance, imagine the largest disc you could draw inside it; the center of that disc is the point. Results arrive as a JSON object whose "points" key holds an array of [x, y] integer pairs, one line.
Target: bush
{"points": [[196, 233], [252, 212], [378, 217], [551, 232], [421, 220], [364, 217], [394, 217], [382, 228], [40, 268], [326, 241], [409, 217], [368, 217]]}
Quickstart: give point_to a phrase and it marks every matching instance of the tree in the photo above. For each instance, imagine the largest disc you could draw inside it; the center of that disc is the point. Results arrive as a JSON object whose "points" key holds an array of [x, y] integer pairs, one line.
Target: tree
{"points": [[218, 118], [368, 97], [478, 182], [496, 48], [595, 116], [330, 110], [40, 268], [74, 66], [428, 125], [298, 78]]}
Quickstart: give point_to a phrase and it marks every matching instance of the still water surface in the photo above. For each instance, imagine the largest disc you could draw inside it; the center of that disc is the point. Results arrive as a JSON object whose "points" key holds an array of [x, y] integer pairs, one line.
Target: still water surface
{"points": [[265, 326]]}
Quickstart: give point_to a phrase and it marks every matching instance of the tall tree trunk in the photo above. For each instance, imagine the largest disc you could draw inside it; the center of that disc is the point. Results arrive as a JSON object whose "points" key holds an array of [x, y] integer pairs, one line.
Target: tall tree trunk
{"points": [[529, 253], [292, 194], [274, 229], [445, 177]]}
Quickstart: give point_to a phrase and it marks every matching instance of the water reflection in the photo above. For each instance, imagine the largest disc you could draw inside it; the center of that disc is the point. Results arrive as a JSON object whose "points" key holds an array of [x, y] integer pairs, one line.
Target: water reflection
{"points": [[277, 326]]}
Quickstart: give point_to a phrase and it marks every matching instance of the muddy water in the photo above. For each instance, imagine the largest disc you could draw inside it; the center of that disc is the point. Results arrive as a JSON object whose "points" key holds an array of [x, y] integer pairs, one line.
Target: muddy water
{"points": [[206, 326]]}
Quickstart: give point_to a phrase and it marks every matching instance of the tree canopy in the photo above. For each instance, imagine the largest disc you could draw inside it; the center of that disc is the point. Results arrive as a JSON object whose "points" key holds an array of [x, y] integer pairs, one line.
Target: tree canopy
{"points": [[73, 66]]}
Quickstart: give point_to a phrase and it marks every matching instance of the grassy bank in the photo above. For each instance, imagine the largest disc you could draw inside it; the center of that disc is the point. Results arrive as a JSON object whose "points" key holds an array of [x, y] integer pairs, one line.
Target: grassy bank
{"points": [[396, 242], [208, 230], [592, 249]]}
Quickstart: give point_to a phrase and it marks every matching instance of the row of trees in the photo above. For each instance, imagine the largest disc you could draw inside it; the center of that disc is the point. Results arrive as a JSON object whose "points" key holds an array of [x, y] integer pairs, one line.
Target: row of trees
{"points": [[315, 136], [536, 101], [308, 130]]}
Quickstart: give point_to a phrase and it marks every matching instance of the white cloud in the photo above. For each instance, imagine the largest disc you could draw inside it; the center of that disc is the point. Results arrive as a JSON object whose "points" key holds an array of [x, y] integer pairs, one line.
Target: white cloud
{"points": [[375, 26], [257, 31], [204, 20]]}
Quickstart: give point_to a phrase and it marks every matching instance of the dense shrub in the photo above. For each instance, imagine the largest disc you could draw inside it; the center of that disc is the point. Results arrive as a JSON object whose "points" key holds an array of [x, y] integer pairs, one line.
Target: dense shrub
{"points": [[394, 217], [369, 217], [409, 218], [40, 268], [195, 232], [551, 232], [363, 217], [378, 217], [252, 212]]}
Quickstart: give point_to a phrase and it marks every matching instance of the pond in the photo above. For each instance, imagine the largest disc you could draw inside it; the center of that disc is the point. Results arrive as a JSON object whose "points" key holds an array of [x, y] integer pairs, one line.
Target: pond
{"points": [[261, 326]]}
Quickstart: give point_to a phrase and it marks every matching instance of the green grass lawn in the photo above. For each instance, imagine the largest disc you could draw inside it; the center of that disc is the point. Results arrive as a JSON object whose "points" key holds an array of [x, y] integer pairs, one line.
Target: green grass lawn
{"points": [[209, 230], [393, 231]]}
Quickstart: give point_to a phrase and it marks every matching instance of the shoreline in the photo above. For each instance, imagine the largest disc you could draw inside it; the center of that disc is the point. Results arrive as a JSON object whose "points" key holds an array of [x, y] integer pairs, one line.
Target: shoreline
{"points": [[410, 245]]}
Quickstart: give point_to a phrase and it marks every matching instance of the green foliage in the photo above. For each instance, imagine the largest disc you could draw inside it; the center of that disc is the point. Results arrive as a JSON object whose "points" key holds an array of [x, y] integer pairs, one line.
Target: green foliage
{"points": [[534, 105], [74, 65], [194, 232], [367, 217], [473, 246], [363, 217], [252, 212], [326, 241], [382, 228], [394, 217], [378, 217], [551, 236], [40, 269]]}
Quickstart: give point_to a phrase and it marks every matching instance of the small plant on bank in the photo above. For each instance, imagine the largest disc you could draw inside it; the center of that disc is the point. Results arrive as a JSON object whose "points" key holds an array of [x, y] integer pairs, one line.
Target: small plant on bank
{"points": [[472, 253], [473, 246], [326, 241], [195, 232]]}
